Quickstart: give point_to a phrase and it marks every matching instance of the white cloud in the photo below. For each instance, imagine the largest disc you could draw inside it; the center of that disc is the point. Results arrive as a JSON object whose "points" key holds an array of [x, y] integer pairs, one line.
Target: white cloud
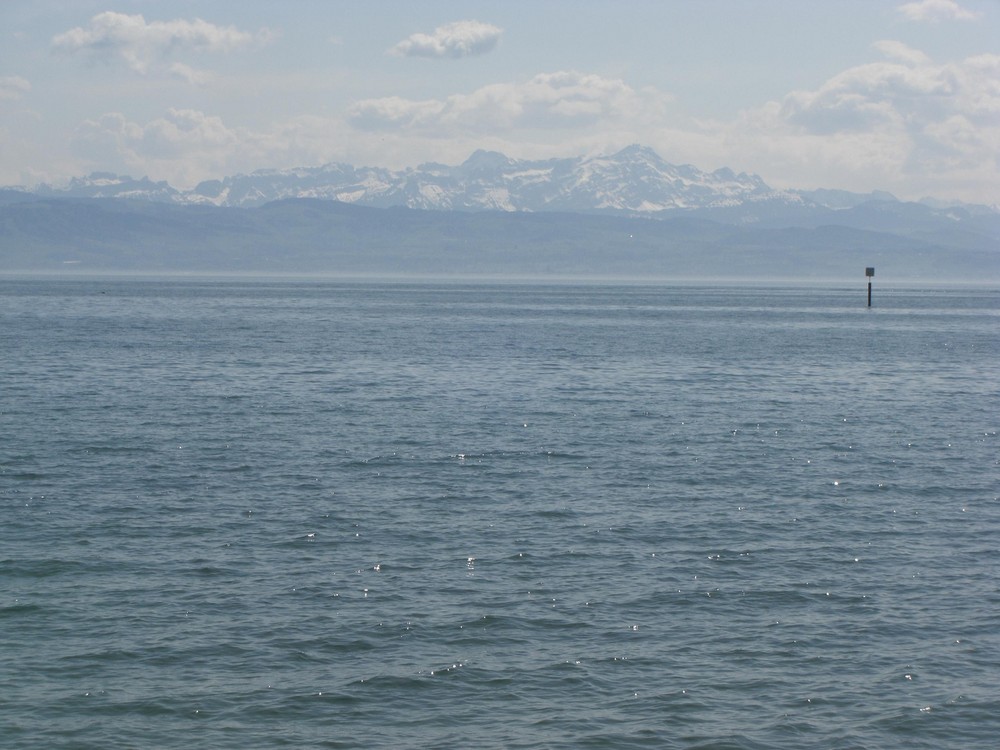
{"points": [[188, 74], [872, 96], [900, 52], [13, 87], [182, 146], [902, 122], [908, 92], [906, 124], [144, 46], [548, 100], [393, 112], [936, 10], [186, 146], [458, 39]]}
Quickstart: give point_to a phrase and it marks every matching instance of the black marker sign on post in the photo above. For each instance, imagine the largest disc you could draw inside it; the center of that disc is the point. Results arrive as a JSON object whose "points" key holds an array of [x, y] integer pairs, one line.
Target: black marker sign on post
{"points": [[869, 272]]}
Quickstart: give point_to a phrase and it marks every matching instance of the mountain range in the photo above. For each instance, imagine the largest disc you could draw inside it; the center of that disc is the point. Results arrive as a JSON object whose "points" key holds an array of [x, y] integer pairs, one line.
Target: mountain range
{"points": [[635, 181], [630, 213]]}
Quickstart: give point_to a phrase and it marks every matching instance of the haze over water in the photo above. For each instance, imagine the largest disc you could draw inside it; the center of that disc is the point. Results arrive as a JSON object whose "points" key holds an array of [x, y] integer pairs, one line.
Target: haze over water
{"points": [[353, 515]]}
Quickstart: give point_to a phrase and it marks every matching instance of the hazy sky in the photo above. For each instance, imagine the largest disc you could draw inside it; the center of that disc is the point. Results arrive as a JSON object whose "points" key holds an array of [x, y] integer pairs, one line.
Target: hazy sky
{"points": [[900, 95]]}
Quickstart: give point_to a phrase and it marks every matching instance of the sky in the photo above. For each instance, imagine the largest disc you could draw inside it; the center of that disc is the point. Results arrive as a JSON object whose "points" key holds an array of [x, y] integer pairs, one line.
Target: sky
{"points": [[860, 95]]}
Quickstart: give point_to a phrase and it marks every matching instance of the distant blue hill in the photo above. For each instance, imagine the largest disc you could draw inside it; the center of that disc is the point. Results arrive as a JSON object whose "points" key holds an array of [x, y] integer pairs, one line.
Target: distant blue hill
{"points": [[906, 242]]}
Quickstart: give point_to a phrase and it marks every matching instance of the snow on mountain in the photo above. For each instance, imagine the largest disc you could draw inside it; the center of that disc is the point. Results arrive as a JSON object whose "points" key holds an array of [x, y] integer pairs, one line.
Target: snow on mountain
{"points": [[633, 181], [108, 185]]}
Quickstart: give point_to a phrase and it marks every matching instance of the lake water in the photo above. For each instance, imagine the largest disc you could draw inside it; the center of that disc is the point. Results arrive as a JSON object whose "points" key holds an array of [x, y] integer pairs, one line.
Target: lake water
{"points": [[242, 514]]}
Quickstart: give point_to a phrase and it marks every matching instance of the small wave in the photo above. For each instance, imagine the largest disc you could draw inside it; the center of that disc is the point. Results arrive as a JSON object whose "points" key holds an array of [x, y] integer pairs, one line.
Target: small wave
{"points": [[20, 610]]}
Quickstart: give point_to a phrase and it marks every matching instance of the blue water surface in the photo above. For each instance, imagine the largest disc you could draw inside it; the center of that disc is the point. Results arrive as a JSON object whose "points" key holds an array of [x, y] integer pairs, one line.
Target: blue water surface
{"points": [[247, 514]]}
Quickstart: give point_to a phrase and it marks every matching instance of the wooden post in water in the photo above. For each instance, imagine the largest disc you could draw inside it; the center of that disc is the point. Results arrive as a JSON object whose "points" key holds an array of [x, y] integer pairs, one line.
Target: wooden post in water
{"points": [[869, 272]]}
